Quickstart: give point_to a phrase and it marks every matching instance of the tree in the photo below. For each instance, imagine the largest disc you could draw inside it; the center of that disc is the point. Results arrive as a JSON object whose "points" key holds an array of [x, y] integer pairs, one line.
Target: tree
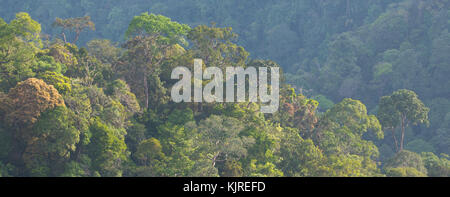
{"points": [[404, 172], [120, 91], [300, 157], [148, 151], [402, 107], [342, 127], [438, 66], [104, 51], [149, 38], [219, 138], [58, 81], [297, 112], [341, 135], [436, 167], [405, 163], [77, 25], [53, 140], [21, 108], [178, 145], [27, 29], [19, 42], [107, 149], [216, 48], [5, 142], [89, 69], [25, 102], [231, 168]]}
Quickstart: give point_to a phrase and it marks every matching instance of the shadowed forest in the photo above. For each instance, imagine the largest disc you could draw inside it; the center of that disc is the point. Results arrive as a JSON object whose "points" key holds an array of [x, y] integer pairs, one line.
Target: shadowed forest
{"points": [[85, 88]]}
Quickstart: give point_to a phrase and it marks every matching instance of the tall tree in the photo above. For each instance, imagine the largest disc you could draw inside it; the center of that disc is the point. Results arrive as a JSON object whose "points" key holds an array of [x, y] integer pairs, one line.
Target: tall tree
{"points": [[216, 48], [342, 127], [220, 138], [76, 25], [107, 149], [149, 39], [54, 138], [25, 103], [402, 107], [21, 109], [19, 42]]}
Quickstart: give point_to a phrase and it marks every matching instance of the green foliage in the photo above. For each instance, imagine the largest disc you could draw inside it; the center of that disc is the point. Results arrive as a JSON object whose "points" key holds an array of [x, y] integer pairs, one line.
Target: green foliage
{"points": [[402, 108], [382, 69], [7, 170], [158, 26], [104, 109], [48, 64], [53, 139], [231, 168], [300, 157], [135, 135], [404, 172], [5, 143], [353, 115], [181, 117], [148, 151], [405, 163], [18, 44], [419, 146], [178, 146], [219, 136], [215, 47], [347, 122], [264, 170], [107, 149], [324, 102], [104, 51], [59, 81], [27, 29], [436, 167], [341, 135], [76, 25], [149, 40], [351, 166]]}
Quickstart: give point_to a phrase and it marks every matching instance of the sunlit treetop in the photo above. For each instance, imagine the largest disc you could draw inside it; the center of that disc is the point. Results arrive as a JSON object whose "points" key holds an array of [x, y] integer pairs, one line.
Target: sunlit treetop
{"points": [[157, 26]]}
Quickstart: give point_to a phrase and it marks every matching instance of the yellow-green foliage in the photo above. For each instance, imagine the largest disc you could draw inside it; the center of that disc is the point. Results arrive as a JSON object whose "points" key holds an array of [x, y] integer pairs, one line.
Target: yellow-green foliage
{"points": [[59, 81], [404, 172], [63, 53]]}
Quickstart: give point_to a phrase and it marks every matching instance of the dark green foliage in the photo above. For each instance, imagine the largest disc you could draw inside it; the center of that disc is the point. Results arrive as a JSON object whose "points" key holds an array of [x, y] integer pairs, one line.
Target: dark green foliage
{"points": [[405, 163], [54, 139], [107, 149], [436, 167]]}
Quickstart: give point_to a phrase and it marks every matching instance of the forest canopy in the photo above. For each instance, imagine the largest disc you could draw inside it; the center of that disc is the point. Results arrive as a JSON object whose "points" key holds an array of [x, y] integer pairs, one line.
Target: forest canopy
{"points": [[85, 88]]}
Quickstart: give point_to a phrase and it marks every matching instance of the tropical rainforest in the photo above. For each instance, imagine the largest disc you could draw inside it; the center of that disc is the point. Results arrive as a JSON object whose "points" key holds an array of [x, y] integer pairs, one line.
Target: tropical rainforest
{"points": [[85, 88]]}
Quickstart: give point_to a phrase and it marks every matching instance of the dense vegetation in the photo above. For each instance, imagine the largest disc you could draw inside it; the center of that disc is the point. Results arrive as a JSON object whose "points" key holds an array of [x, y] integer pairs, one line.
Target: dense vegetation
{"points": [[85, 88]]}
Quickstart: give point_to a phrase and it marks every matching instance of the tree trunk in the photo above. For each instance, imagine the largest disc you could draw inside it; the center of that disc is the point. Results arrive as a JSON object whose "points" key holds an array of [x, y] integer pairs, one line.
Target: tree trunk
{"points": [[146, 90], [76, 154], [64, 37], [403, 132], [214, 159], [395, 139], [77, 36]]}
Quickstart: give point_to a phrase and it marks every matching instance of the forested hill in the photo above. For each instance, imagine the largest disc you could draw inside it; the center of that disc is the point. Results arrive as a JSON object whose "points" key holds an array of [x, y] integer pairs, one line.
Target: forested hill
{"points": [[368, 93], [287, 31]]}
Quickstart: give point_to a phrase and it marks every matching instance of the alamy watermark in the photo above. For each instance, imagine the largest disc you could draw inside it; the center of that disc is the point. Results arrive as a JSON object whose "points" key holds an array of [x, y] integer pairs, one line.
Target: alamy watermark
{"points": [[257, 85]]}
